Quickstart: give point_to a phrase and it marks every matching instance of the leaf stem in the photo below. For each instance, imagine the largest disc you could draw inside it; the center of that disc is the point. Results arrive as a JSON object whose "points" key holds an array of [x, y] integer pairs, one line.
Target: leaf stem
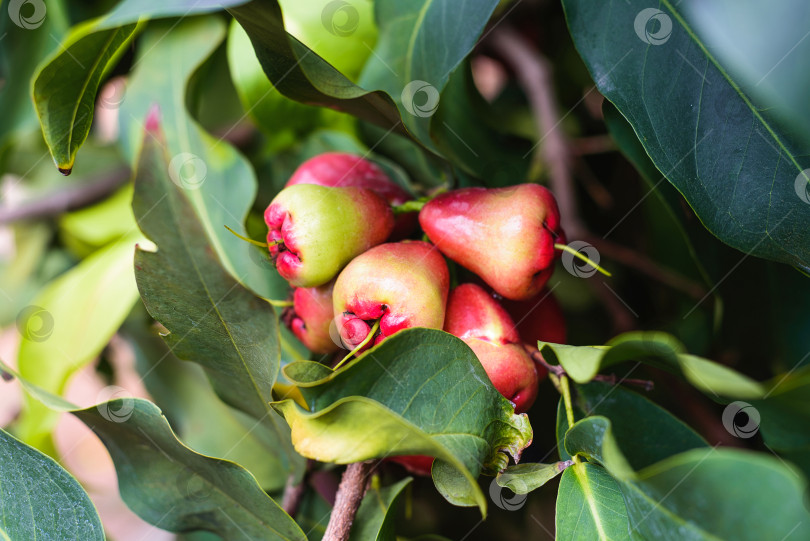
{"points": [[586, 259], [569, 409], [361, 345]]}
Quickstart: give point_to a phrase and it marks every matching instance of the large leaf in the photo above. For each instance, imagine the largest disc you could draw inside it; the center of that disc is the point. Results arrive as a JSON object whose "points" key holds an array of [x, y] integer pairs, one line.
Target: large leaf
{"points": [[40, 500], [422, 392], [171, 486], [654, 432], [421, 43], [582, 363], [211, 319], [765, 46], [300, 74], [728, 155], [25, 46], [590, 505], [700, 494], [217, 180], [68, 324], [200, 419], [65, 88]]}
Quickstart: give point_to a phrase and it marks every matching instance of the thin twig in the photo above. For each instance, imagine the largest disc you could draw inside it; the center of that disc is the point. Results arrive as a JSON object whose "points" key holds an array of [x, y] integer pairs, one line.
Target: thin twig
{"points": [[533, 72], [72, 198], [349, 495]]}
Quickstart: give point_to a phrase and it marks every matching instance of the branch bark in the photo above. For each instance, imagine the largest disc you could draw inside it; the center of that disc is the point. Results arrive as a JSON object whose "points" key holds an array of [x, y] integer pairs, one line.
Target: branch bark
{"points": [[72, 198], [350, 494]]}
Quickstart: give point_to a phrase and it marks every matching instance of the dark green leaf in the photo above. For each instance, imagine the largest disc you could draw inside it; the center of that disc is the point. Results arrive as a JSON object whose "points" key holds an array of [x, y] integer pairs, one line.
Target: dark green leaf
{"points": [[300, 74], [40, 500], [377, 513], [420, 392], [590, 505], [211, 319], [734, 162], [582, 363], [523, 478], [706, 493], [171, 486], [65, 88], [654, 432], [217, 180], [421, 43]]}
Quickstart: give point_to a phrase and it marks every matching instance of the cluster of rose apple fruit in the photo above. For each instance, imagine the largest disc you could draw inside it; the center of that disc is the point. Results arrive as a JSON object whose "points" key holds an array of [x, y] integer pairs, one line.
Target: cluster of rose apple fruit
{"points": [[335, 236]]}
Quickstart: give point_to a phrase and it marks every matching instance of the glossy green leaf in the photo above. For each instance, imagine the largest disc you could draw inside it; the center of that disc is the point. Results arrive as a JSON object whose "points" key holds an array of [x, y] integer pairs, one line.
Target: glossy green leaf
{"points": [[421, 391], [211, 319], [25, 46], [729, 156], [582, 363], [215, 177], [421, 43], [65, 328], [705, 493], [523, 478], [377, 513], [300, 74], [279, 117], [41, 499], [765, 46], [128, 11], [590, 505], [654, 432], [65, 88], [169, 485]]}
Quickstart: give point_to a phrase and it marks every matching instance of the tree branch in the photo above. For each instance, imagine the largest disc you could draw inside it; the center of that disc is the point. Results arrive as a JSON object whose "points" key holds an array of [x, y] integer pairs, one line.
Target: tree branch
{"points": [[350, 494], [72, 198]]}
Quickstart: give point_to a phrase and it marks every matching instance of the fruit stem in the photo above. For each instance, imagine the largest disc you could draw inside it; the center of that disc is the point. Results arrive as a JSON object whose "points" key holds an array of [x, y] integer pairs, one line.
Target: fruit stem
{"points": [[569, 409], [256, 242], [586, 259], [361, 345], [352, 488]]}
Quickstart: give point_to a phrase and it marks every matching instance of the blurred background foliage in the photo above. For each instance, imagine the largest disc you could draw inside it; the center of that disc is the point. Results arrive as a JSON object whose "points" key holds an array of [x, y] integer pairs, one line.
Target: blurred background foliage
{"points": [[66, 243]]}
